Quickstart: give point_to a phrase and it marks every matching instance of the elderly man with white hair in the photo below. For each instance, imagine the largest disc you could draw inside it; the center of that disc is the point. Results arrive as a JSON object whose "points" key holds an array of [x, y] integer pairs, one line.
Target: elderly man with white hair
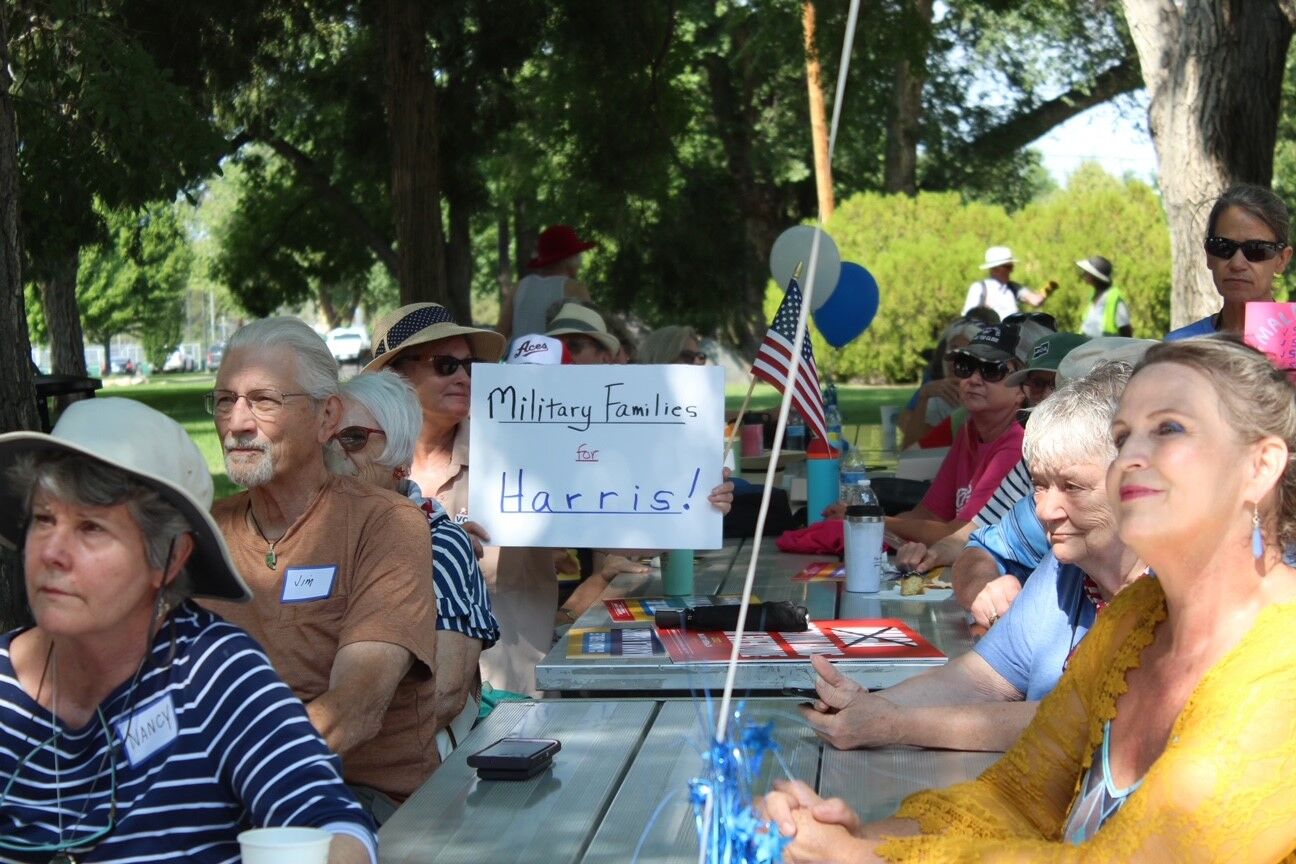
{"points": [[340, 570], [381, 421]]}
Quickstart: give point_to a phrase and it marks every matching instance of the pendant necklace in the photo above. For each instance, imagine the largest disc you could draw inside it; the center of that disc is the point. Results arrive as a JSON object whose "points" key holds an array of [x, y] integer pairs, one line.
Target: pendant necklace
{"points": [[271, 559]]}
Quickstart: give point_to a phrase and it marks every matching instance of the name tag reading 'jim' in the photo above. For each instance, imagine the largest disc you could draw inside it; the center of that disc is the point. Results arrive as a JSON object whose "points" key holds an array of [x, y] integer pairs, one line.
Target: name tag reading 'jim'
{"points": [[603, 456], [308, 583]]}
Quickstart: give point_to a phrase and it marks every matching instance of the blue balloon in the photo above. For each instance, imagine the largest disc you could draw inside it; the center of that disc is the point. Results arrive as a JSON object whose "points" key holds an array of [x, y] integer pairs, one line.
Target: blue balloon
{"points": [[851, 307]]}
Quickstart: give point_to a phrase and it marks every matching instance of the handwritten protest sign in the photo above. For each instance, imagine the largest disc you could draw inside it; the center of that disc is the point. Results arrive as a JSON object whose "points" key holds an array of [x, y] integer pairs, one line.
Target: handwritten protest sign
{"points": [[1271, 328], [597, 456]]}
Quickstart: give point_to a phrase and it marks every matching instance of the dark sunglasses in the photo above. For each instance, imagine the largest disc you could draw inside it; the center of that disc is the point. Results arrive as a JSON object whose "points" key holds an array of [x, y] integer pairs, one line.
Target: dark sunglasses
{"points": [[692, 357], [445, 365], [992, 371], [353, 439], [1254, 251]]}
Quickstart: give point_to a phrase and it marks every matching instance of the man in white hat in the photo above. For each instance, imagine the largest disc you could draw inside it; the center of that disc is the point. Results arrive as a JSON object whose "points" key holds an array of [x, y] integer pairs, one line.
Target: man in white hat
{"points": [[340, 570], [997, 290]]}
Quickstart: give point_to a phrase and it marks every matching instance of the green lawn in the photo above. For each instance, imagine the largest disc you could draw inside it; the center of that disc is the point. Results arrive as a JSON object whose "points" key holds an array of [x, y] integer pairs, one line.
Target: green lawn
{"points": [[181, 398], [861, 421]]}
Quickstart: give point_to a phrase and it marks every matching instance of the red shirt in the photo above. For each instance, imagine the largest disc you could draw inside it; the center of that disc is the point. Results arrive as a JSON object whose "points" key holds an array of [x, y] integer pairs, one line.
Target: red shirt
{"points": [[972, 471]]}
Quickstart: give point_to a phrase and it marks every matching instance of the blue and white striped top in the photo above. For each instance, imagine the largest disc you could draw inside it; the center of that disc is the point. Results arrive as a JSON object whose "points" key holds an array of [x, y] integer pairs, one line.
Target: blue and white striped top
{"points": [[463, 603], [207, 743]]}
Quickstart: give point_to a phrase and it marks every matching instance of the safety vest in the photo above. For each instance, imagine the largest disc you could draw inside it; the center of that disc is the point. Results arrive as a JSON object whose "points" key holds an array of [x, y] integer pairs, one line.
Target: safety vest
{"points": [[1113, 300]]}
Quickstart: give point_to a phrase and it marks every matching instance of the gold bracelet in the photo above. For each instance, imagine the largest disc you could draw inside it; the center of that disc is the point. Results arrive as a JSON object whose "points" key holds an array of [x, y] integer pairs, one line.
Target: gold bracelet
{"points": [[563, 610]]}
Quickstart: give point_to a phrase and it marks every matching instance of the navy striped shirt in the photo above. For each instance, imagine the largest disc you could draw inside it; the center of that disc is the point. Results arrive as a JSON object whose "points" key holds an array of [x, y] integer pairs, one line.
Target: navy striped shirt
{"points": [[206, 741], [1016, 485], [463, 603]]}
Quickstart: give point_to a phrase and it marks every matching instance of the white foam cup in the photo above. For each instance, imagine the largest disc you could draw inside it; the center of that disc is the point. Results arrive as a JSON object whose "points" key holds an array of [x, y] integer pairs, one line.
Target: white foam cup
{"points": [[285, 846]]}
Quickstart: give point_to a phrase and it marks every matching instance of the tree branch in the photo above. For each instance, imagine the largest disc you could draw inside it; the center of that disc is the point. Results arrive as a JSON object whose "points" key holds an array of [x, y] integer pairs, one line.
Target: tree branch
{"points": [[1018, 131], [1288, 8], [350, 214]]}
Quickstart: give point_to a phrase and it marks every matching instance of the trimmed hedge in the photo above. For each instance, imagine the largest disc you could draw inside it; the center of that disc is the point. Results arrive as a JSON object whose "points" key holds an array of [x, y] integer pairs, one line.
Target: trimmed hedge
{"points": [[925, 251]]}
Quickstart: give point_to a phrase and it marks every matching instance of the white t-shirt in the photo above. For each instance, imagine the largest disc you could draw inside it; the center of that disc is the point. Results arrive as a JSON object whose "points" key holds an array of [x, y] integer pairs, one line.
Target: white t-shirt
{"points": [[993, 293]]}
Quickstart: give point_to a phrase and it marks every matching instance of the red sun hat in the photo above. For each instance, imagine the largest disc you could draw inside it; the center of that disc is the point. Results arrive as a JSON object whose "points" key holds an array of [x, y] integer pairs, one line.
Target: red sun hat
{"points": [[556, 243]]}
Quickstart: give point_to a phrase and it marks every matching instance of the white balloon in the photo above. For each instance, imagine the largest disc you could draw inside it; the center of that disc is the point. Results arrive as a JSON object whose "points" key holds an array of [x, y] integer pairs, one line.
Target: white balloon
{"points": [[792, 250]]}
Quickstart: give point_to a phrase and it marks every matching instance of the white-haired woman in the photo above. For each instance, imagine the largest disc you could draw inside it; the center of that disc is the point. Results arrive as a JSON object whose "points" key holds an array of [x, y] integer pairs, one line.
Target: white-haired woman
{"points": [[1168, 737], [375, 441], [985, 698], [134, 724]]}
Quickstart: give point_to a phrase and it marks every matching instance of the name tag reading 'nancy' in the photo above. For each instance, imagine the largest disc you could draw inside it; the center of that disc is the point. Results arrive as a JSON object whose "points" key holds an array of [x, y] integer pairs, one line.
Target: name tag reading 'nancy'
{"points": [[147, 730], [606, 456]]}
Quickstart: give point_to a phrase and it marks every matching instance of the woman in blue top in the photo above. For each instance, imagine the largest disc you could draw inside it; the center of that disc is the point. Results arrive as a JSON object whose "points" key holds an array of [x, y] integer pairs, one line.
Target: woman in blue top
{"points": [[1246, 246], [135, 725], [985, 698]]}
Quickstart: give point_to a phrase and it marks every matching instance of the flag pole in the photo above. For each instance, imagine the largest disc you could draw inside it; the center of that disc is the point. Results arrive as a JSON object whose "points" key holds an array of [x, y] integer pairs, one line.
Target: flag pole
{"points": [[751, 387]]}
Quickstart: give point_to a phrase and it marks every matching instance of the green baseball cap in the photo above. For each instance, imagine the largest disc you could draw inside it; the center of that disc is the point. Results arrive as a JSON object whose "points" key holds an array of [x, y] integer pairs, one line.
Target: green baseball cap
{"points": [[1046, 355]]}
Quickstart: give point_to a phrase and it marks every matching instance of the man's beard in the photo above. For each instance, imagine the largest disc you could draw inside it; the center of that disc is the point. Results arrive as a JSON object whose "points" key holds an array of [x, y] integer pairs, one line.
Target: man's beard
{"points": [[253, 474]]}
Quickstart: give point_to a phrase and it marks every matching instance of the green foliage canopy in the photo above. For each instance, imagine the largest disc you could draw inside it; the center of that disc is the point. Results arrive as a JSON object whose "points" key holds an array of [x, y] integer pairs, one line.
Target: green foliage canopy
{"points": [[924, 253]]}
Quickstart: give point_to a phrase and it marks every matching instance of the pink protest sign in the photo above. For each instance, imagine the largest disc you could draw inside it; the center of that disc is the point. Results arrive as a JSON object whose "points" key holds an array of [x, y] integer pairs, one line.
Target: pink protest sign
{"points": [[1271, 328]]}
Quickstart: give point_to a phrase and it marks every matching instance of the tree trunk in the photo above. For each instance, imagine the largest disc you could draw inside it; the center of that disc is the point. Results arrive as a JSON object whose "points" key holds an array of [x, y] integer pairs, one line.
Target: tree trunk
{"points": [[818, 116], [758, 199], [901, 167], [415, 161], [1214, 71], [459, 262], [63, 317], [524, 235], [324, 300], [17, 393], [503, 264]]}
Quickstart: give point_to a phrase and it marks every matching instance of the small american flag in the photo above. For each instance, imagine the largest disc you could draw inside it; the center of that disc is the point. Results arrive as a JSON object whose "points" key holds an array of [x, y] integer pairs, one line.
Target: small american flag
{"points": [[774, 358]]}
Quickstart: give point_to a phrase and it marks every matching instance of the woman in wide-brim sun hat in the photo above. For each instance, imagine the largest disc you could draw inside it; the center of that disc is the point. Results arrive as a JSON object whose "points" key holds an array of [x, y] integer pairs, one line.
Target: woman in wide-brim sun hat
{"points": [[150, 724]]}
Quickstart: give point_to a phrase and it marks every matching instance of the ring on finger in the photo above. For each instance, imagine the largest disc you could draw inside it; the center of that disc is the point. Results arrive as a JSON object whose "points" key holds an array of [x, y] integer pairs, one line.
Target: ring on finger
{"points": [[993, 619]]}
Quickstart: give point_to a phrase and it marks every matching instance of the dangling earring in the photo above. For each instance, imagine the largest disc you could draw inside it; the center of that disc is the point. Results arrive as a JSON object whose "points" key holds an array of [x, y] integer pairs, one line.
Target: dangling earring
{"points": [[1257, 539]]}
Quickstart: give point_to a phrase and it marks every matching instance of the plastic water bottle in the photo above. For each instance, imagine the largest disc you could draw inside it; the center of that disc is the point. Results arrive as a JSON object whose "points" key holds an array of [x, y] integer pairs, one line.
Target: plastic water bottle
{"points": [[854, 475], [865, 522], [795, 437], [833, 420]]}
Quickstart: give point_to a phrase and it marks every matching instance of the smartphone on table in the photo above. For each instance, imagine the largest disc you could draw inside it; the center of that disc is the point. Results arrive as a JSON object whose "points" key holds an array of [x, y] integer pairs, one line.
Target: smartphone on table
{"points": [[514, 758]]}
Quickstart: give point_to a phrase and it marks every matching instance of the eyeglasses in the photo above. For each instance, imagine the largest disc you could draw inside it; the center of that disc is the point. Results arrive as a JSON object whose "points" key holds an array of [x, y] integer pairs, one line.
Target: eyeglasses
{"points": [[1254, 251], [445, 365], [694, 357], [353, 439], [966, 365], [1039, 383], [63, 849], [264, 404]]}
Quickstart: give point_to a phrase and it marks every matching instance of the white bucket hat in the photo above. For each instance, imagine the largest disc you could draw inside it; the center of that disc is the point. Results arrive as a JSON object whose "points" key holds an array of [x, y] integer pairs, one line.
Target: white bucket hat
{"points": [[997, 256], [573, 318], [1080, 361], [151, 448]]}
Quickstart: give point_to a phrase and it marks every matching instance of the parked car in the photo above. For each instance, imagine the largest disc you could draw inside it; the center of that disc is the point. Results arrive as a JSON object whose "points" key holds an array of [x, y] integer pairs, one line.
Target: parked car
{"points": [[348, 344], [179, 362], [215, 354]]}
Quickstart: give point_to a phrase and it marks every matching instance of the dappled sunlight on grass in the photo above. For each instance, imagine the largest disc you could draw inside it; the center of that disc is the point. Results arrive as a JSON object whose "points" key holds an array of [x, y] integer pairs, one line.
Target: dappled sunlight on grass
{"points": [[180, 397]]}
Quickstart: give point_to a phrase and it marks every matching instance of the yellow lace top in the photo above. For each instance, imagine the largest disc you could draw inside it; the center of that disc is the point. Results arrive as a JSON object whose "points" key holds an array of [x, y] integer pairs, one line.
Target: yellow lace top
{"points": [[1224, 789]]}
